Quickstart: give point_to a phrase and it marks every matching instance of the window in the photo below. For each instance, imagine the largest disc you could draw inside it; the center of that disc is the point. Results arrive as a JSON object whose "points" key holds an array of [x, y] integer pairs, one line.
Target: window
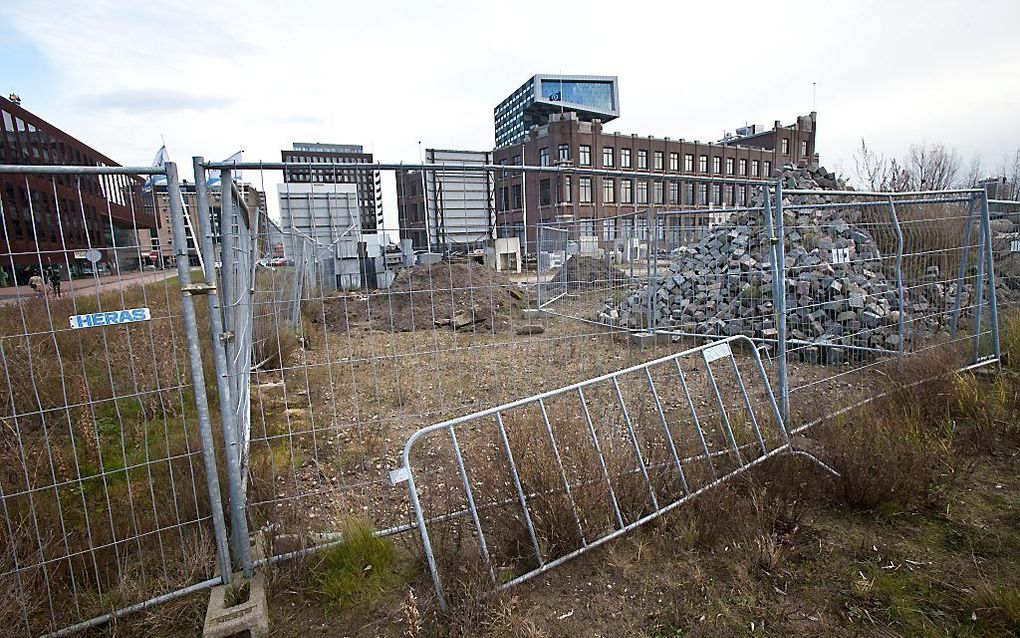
{"points": [[626, 191], [584, 155], [674, 162], [567, 193], [659, 194], [518, 198], [688, 162], [657, 160], [625, 158], [785, 146], [755, 168], [716, 165], [703, 194], [688, 193], [674, 193], [642, 158], [608, 190], [627, 229], [517, 160], [544, 192], [607, 156], [742, 195], [608, 229], [703, 164], [768, 168], [717, 194], [729, 165], [803, 148], [564, 153], [743, 167], [584, 189], [543, 157], [643, 228], [642, 192], [732, 199]]}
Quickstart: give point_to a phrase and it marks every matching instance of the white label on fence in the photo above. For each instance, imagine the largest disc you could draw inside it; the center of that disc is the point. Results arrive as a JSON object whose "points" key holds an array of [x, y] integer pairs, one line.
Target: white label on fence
{"points": [[112, 318], [398, 475], [79, 254], [1014, 245], [717, 351], [840, 255]]}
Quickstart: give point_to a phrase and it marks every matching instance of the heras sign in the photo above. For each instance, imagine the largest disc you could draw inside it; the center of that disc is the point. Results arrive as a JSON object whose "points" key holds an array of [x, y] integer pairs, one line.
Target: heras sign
{"points": [[111, 318]]}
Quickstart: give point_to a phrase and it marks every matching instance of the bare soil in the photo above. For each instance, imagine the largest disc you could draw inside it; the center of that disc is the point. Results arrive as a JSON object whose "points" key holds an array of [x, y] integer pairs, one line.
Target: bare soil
{"points": [[460, 295]]}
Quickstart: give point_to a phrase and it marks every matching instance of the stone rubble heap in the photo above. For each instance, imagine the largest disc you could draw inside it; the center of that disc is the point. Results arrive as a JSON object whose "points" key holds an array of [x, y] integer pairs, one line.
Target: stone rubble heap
{"points": [[839, 288]]}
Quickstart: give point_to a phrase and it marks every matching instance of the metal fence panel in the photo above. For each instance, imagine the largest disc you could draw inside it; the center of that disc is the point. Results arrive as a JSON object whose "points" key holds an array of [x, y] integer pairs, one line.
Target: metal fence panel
{"points": [[533, 483], [108, 486]]}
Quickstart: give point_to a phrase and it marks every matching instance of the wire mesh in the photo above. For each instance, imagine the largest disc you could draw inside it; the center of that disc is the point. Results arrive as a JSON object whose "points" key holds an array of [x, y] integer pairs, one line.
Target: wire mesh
{"points": [[103, 487]]}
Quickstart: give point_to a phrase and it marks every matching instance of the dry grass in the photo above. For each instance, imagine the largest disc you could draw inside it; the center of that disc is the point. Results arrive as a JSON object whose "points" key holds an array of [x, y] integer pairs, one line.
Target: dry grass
{"points": [[98, 456]]}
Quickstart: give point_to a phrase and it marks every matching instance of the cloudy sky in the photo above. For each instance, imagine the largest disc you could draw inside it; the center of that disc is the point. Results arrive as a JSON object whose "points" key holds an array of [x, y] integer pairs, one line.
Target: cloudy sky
{"points": [[215, 77]]}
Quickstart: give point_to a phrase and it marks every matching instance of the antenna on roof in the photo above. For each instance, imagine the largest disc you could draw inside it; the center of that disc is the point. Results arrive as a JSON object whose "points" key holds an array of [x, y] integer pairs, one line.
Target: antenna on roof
{"points": [[814, 93], [14, 97]]}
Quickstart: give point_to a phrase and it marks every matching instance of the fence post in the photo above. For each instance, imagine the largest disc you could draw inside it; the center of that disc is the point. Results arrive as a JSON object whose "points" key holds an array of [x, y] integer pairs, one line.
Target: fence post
{"points": [[992, 300], [238, 520], [538, 264], [979, 294], [180, 246], [900, 293], [650, 302], [962, 270], [299, 282], [784, 382]]}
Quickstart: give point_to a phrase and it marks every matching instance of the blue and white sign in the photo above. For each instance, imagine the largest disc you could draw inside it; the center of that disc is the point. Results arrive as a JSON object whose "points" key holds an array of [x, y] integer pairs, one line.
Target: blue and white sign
{"points": [[111, 318]]}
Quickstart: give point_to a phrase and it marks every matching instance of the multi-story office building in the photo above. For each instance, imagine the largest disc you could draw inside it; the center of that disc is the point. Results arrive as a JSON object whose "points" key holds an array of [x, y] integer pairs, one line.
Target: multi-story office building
{"points": [[589, 96], [55, 219], [447, 210], [667, 166], [369, 182]]}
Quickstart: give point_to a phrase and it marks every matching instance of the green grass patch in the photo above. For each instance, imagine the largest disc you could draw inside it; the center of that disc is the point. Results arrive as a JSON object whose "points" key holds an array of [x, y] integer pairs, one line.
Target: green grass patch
{"points": [[360, 571]]}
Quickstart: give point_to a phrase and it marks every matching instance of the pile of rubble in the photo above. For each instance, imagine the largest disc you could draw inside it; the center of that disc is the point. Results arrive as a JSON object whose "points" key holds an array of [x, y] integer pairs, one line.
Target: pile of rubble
{"points": [[839, 288]]}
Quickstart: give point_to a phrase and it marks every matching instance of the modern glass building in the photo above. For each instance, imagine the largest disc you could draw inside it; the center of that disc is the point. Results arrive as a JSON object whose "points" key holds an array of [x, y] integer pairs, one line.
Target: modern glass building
{"points": [[590, 96]]}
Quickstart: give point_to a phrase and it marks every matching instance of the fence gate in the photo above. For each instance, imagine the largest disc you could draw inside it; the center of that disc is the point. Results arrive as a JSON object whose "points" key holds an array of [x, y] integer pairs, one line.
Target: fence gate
{"points": [[528, 485]]}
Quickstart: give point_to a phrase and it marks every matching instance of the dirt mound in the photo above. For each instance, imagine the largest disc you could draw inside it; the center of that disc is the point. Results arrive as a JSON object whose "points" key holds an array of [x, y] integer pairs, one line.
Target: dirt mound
{"points": [[463, 296], [585, 273]]}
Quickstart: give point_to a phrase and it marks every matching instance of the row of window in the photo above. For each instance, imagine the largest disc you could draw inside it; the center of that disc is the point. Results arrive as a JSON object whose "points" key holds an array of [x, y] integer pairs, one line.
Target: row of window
{"points": [[752, 168], [631, 192]]}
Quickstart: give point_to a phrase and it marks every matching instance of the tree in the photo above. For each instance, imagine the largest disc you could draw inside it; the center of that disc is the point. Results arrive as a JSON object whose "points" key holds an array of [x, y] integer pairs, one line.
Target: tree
{"points": [[926, 167], [932, 167]]}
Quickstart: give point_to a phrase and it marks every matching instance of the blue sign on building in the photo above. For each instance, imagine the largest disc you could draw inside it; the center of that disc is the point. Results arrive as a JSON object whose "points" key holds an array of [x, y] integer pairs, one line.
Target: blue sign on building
{"points": [[111, 318]]}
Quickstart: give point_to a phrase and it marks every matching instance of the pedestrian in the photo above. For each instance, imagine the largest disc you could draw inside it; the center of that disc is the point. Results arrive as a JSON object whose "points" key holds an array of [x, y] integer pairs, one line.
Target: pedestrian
{"points": [[3, 278], [55, 282], [37, 284]]}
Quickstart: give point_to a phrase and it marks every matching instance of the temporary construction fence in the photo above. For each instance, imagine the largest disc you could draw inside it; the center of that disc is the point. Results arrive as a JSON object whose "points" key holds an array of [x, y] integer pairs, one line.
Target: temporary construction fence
{"points": [[296, 363], [109, 484], [857, 277]]}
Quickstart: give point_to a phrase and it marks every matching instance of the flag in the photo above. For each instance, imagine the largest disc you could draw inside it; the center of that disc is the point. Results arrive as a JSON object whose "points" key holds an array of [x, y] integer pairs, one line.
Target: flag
{"points": [[162, 157], [214, 179]]}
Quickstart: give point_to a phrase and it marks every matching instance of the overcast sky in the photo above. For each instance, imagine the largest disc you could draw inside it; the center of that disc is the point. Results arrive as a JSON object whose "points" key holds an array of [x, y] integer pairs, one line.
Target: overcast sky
{"points": [[215, 77]]}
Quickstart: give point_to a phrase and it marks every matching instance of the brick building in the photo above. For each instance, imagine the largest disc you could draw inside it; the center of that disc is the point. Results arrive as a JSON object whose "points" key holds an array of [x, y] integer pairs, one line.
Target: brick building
{"points": [[52, 220], [566, 140]]}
